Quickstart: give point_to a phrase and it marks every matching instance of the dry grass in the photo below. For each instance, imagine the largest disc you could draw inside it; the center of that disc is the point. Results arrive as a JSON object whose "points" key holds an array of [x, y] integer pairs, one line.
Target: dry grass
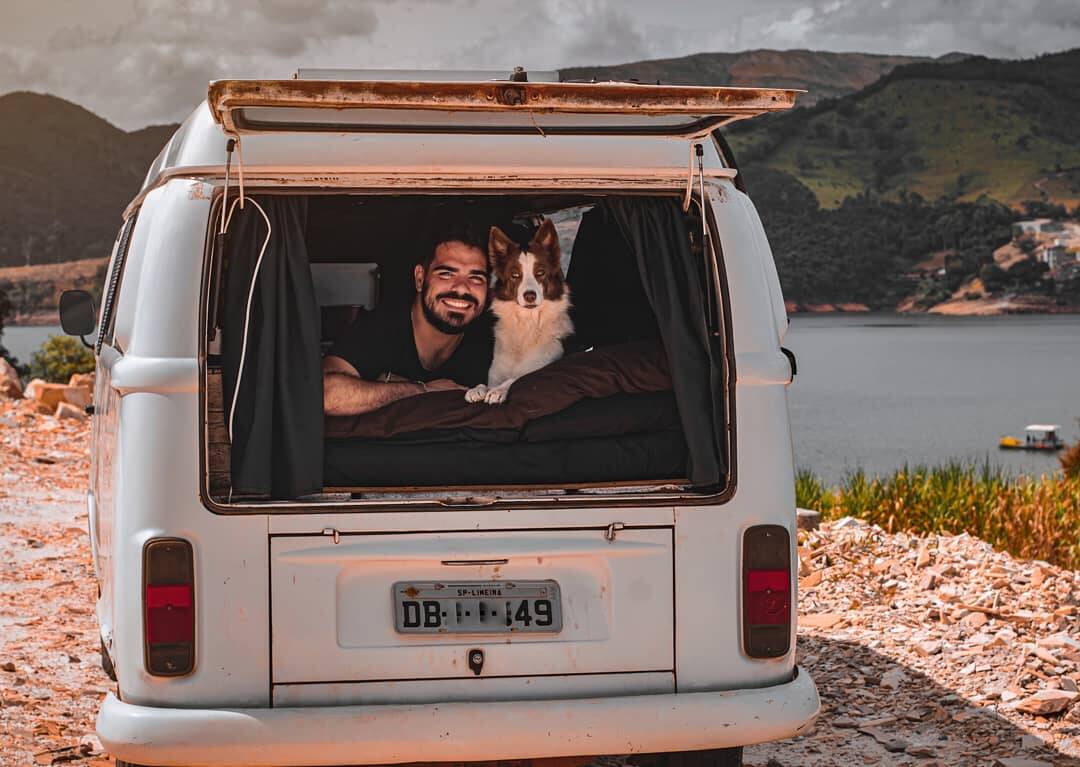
{"points": [[1070, 461], [1033, 518]]}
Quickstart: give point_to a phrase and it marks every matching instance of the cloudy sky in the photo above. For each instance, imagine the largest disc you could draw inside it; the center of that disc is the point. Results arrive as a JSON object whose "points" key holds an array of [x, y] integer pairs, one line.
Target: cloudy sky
{"points": [[137, 62]]}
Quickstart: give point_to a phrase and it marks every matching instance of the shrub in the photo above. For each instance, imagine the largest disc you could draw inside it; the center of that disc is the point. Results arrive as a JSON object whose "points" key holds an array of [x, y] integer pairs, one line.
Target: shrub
{"points": [[1070, 461], [59, 358], [1028, 517], [810, 493]]}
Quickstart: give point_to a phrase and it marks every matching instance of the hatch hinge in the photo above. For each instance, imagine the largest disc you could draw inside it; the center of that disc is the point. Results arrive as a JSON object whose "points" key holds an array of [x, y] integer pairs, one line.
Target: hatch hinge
{"points": [[613, 530], [332, 531]]}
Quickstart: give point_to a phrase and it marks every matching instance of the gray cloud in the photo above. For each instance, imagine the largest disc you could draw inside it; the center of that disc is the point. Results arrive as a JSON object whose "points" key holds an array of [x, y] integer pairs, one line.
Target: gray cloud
{"points": [[606, 33], [142, 61]]}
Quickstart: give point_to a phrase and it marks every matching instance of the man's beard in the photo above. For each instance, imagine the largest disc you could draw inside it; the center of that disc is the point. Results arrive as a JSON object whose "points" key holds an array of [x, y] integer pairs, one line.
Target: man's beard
{"points": [[453, 323]]}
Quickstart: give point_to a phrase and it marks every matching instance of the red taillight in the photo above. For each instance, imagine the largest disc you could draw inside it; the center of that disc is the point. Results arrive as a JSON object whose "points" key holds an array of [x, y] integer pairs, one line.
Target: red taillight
{"points": [[766, 591], [768, 597], [169, 617], [169, 607]]}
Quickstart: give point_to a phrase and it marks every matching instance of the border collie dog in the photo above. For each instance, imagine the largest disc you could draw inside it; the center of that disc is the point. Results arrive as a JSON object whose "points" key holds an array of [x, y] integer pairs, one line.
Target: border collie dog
{"points": [[531, 304]]}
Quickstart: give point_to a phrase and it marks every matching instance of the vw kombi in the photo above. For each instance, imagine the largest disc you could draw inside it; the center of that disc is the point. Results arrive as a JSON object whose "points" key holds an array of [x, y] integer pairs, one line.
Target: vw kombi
{"points": [[604, 564]]}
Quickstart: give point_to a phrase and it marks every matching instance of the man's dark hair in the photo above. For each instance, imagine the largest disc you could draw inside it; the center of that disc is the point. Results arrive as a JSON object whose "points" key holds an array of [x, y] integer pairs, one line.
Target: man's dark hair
{"points": [[464, 232]]}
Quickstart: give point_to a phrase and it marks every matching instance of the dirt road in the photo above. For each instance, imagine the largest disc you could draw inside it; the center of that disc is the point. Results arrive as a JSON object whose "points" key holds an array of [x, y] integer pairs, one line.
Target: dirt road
{"points": [[926, 651]]}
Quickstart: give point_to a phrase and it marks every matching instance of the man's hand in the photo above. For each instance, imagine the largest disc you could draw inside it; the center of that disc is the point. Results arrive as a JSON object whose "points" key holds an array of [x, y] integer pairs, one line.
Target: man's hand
{"points": [[444, 384]]}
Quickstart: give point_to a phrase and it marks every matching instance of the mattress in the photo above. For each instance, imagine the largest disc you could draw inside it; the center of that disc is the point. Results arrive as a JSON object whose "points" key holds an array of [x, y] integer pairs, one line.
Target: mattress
{"points": [[618, 438]]}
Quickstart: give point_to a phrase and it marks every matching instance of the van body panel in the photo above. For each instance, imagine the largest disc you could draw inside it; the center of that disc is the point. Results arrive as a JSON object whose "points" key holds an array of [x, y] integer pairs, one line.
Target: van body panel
{"points": [[753, 321], [765, 259], [101, 499], [390, 161], [479, 688], [128, 293], [556, 515], [457, 732], [616, 604], [169, 267], [157, 496], [163, 375], [708, 553]]}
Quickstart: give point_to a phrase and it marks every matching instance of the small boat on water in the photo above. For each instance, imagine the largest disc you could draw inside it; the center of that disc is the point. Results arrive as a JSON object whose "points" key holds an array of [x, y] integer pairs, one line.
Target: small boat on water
{"points": [[1037, 436]]}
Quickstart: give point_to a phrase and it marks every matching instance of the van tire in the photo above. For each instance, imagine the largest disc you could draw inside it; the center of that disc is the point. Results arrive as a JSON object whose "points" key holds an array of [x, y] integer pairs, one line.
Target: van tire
{"points": [[720, 757]]}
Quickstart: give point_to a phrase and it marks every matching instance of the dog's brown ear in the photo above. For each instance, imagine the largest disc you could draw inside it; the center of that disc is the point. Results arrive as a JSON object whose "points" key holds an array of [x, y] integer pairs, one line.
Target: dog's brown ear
{"points": [[546, 237], [498, 245]]}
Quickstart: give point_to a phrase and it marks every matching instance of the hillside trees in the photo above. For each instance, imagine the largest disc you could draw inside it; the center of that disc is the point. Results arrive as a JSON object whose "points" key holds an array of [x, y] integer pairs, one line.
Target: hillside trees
{"points": [[860, 251]]}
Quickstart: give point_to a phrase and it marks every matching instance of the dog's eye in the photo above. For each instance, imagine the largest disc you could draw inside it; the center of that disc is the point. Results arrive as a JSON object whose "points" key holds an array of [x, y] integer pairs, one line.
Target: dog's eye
{"points": [[539, 272], [515, 275]]}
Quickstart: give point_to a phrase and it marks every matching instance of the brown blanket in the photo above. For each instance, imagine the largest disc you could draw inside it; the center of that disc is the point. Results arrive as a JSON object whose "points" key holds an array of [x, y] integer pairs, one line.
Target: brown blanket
{"points": [[634, 368]]}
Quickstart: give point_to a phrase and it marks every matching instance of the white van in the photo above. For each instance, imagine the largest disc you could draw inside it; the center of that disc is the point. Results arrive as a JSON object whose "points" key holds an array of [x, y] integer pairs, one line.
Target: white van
{"points": [[603, 565]]}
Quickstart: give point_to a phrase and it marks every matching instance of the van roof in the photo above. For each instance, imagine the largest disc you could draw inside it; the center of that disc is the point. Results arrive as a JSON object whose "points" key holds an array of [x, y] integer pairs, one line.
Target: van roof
{"points": [[475, 135]]}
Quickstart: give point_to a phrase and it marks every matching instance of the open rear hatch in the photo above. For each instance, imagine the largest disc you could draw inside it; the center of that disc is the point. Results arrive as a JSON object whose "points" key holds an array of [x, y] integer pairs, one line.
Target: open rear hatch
{"points": [[502, 106], [355, 614]]}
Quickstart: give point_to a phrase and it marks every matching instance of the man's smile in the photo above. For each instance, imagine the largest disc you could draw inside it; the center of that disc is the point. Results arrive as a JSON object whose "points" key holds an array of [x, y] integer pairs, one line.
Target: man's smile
{"points": [[457, 304]]}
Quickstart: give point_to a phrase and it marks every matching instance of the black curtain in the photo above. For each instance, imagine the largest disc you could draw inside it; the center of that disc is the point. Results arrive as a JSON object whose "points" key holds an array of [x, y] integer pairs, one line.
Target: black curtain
{"points": [[277, 439], [655, 230]]}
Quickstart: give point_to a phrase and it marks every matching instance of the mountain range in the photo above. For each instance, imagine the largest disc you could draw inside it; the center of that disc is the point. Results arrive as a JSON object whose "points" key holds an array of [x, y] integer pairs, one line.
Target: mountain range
{"points": [[66, 175], [822, 74], [956, 126]]}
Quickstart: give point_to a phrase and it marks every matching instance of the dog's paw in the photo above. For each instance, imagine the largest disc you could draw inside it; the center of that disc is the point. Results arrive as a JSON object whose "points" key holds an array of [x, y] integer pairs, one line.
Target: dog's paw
{"points": [[496, 396], [476, 393]]}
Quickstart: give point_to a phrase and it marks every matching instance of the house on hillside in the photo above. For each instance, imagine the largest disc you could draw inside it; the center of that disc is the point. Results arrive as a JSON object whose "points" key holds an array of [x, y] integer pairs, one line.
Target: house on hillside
{"points": [[1036, 226], [1054, 254]]}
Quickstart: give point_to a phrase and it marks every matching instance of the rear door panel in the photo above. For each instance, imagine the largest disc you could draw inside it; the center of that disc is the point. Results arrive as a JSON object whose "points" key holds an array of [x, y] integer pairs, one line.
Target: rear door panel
{"points": [[333, 618], [534, 108]]}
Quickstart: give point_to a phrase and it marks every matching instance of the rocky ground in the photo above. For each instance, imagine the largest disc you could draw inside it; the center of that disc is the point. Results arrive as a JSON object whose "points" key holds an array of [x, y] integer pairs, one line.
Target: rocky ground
{"points": [[50, 670], [934, 650], [926, 651]]}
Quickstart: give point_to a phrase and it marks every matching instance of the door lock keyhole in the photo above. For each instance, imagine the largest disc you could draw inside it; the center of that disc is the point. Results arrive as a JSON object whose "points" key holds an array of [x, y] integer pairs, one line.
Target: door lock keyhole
{"points": [[476, 661]]}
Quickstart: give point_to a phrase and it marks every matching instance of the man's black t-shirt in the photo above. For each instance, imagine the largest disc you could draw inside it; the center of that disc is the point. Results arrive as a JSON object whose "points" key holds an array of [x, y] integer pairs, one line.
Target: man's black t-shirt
{"points": [[381, 342]]}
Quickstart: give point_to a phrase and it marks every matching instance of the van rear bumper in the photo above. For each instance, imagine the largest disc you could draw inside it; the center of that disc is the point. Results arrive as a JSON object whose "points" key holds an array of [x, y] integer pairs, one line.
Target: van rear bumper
{"points": [[456, 732]]}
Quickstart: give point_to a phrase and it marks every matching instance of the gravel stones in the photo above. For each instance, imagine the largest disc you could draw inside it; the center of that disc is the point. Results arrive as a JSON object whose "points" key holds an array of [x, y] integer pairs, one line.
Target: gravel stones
{"points": [[1048, 701], [937, 641]]}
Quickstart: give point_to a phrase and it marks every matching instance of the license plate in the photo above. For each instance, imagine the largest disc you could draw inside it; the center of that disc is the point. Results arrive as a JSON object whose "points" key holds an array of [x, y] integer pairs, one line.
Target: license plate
{"points": [[477, 607]]}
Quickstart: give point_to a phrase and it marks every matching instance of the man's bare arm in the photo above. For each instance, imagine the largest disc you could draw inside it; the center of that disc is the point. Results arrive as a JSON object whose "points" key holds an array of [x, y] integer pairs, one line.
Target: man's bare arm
{"points": [[346, 393]]}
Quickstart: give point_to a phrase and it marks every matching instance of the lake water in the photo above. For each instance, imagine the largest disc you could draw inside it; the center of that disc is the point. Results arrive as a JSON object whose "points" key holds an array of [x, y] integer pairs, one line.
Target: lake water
{"points": [[877, 391], [22, 341]]}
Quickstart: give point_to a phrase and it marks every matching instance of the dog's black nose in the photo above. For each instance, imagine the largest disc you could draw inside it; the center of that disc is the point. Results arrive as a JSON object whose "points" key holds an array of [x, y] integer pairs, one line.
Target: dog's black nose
{"points": [[529, 296]]}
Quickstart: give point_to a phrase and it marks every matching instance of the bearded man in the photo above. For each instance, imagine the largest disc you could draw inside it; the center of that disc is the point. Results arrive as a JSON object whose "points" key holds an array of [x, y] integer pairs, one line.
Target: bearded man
{"points": [[434, 344]]}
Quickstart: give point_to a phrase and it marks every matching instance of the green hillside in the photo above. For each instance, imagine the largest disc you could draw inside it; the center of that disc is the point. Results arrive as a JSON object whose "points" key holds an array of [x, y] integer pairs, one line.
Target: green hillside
{"points": [[824, 74], [1009, 130], [65, 177]]}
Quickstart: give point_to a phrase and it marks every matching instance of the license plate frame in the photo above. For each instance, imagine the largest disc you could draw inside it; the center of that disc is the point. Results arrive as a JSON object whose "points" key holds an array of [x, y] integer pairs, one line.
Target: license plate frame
{"points": [[477, 607]]}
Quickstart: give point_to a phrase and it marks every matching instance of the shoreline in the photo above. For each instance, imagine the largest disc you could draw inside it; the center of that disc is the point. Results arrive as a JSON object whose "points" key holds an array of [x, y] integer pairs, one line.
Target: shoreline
{"points": [[977, 308], [35, 320]]}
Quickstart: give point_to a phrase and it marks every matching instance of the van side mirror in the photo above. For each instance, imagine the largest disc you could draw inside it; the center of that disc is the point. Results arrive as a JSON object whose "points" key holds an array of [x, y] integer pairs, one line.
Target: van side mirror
{"points": [[77, 314]]}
